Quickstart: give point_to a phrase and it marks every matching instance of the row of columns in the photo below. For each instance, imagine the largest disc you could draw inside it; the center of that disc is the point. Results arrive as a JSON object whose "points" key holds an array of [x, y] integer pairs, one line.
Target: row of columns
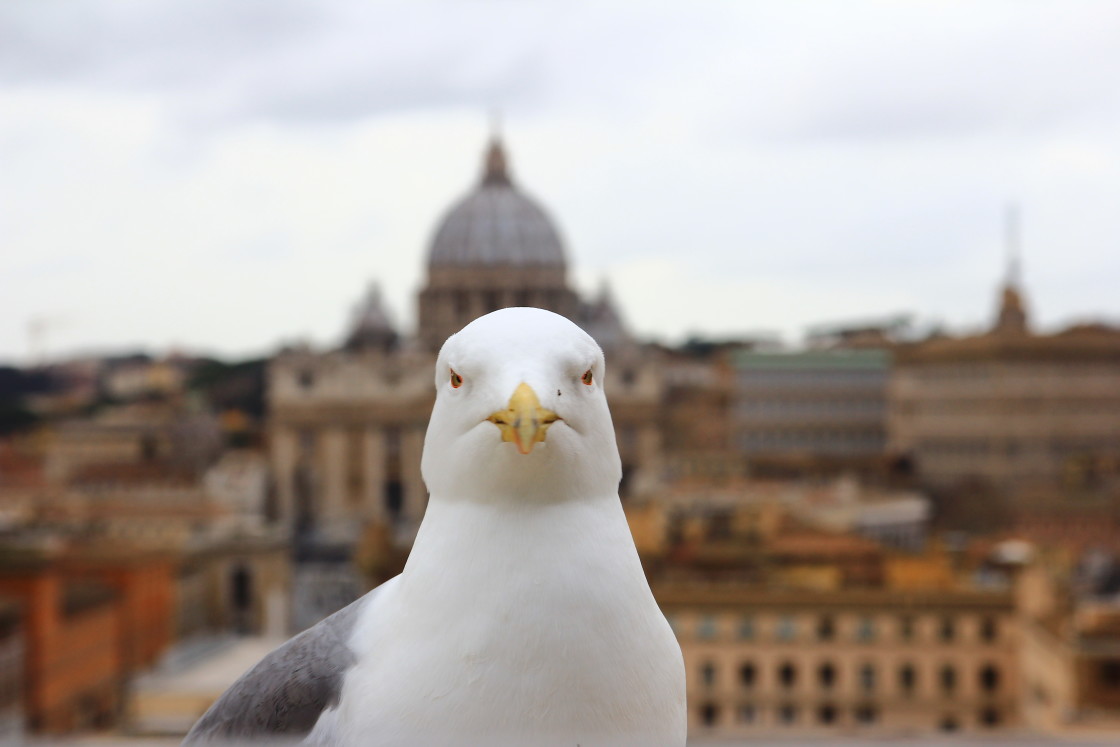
{"points": [[341, 507]]}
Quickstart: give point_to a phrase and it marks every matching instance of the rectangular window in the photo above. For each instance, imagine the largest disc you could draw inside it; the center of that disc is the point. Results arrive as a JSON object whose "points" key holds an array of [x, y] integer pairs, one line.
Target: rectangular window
{"points": [[1108, 674], [906, 628], [947, 630], [865, 630], [786, 629]]}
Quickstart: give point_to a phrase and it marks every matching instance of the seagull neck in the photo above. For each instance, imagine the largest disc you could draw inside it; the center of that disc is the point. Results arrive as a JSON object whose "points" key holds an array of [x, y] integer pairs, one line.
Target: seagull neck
{"points": [[531, 539]]}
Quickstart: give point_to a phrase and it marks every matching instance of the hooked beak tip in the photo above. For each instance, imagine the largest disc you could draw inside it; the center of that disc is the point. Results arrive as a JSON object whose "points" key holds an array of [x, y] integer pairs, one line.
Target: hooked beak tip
{"points": [[524, 421]]}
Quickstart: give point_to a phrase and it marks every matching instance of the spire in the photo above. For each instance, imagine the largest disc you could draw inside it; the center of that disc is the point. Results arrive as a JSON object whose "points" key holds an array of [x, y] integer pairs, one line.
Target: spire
{"points": [[1014, 254], [495, 170], [1012, 315]]}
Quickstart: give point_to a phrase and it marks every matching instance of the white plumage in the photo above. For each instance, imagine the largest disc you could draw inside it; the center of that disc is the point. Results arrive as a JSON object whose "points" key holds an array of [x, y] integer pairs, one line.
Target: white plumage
{"points": [[523, 615]]}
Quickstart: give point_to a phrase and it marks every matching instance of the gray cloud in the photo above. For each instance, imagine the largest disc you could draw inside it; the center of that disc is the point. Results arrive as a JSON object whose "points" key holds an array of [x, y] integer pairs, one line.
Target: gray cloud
{"points": [[819, 158], [137, 45], [274, 60]]}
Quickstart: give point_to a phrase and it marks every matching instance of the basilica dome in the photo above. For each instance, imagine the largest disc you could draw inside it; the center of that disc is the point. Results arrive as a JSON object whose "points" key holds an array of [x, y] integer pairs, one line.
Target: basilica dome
{"points": [[496, 225]]}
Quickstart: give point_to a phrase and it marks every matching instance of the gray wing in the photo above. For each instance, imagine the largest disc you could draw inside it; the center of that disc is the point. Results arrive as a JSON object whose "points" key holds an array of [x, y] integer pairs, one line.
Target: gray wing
{"points": [[285, 693]]}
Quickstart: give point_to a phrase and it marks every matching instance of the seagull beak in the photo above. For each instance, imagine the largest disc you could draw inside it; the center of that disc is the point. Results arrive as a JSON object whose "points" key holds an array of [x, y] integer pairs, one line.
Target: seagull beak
{"points": [[525, 422]]}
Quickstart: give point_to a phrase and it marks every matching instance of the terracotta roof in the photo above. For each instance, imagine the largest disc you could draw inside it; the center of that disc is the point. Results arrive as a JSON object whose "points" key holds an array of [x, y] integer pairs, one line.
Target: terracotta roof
{"points": [[1084, 342], [19, 470], [132, 473], [808, 544]]}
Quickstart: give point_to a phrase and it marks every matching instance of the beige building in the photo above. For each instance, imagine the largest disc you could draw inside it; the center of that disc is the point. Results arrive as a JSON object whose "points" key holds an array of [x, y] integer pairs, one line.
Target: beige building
{"points": [[761, 660], [1009, 407], [1070, 656]]}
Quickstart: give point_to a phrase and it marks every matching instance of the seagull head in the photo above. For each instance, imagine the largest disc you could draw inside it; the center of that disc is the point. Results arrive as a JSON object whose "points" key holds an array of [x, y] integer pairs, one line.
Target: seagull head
{"points": [[520, 412]]}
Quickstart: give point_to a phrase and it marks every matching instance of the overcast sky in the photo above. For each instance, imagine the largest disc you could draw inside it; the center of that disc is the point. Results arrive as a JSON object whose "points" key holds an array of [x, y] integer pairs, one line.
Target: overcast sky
{"points": [[220, 176]]}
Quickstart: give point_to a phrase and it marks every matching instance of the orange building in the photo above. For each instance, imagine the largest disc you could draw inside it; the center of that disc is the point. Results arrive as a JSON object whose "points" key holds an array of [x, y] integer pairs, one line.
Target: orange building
{"points": [[88, 622], [73, 673], [11, 671], [144, 585]]}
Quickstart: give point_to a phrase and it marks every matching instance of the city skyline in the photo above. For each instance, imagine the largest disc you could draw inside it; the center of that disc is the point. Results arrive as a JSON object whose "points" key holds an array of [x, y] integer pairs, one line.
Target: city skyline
{"points": [[187, 166]]}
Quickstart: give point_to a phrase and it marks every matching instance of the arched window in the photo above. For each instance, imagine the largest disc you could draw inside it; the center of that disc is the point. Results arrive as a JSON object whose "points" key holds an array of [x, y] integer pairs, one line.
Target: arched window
{"points": [[394, 497], [948, 677], [787, 675], [906, 628], [989, 678], [867, 678], [948, 629], [989, 629], [826, 675], [709, 714], [866, 714], [747, 674], [865, 630], [907, 679], [708, 673]]}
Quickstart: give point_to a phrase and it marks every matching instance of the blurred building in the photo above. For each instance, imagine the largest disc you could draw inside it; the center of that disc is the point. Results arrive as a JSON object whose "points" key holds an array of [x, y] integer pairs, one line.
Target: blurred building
{"points": [[1070, 650], [73, 674], [876, 660], [347, 426], [494, 248], [141, 377], [158, 434], [1010, 407], [806, 586], [123, 535], [13, 650], [697, 413], [788, 624], [811, 411]]}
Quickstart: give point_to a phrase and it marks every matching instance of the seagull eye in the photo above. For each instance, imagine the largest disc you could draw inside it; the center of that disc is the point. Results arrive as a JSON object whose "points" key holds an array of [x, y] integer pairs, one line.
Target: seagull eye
{"points": [[456, 380], [586, 378]]}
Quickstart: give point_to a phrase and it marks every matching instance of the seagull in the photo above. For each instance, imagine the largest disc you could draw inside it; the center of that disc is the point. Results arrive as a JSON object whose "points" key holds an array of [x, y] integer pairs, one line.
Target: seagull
{"points": [[522, 616]]}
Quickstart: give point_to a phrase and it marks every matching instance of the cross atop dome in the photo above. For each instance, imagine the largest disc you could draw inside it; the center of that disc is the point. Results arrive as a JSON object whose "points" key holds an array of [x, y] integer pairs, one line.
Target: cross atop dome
{"points": [[1012, 314], [495, 170]]}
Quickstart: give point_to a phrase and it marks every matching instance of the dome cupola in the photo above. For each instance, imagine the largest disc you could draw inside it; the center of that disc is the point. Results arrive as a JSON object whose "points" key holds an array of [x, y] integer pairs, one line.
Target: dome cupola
{"points": [[496, 225], [494, 248]]}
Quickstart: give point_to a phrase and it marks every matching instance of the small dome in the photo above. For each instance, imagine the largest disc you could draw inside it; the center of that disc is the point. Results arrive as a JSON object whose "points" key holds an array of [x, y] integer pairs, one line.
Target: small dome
{"points": [[496, 224], [371, 329]]}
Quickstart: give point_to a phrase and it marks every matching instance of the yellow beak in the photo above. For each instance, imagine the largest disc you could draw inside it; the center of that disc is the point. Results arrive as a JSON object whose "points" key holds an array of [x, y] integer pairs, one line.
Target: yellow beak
{"points": [[525, 422]]}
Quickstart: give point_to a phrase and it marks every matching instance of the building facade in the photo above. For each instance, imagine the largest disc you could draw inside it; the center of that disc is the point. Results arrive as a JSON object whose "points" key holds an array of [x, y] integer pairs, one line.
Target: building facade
{"points": [[1010, 407], [765, 661], [812, 407]]}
